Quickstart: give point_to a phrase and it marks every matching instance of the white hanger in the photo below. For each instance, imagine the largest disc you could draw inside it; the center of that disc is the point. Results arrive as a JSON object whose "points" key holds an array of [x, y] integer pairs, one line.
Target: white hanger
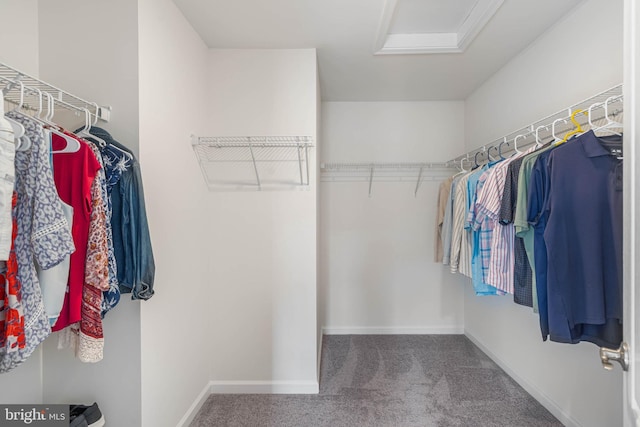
{"points": [[22, 141], [553, 129], [538, 140], [610, 122], [72, 145], [85, 132], [515, 143]]}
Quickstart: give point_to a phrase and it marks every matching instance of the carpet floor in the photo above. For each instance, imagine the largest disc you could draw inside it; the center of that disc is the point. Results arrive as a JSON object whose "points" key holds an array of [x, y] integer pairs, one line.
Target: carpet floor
{"points": [[391, 381]]}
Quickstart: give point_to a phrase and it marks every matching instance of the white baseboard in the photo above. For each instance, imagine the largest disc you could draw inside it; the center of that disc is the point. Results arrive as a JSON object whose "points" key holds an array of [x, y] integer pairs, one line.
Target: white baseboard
{"points": [[265, 387], [392, 330], [195, 407], [544, 400], [320, 352]]}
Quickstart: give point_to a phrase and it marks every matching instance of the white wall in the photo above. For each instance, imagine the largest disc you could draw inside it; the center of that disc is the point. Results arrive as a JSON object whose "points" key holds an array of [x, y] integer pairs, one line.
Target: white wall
{"points": [[262, 249], [376, 263], [82, 51], [176, 337], [569, 379], [19, 35]]}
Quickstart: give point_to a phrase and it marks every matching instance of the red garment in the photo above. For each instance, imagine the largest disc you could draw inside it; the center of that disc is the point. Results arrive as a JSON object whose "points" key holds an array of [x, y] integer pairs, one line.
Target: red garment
{"points": [[73, 174], [11, 312]]}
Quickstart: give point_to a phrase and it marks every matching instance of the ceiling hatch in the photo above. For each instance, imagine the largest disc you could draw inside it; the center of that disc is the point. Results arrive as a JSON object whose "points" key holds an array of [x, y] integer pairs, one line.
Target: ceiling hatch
{"points": [[432, 26]]}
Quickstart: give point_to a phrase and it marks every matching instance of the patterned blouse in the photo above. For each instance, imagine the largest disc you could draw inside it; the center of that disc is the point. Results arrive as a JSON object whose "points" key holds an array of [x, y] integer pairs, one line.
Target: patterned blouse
{"points": [[43, 236]]}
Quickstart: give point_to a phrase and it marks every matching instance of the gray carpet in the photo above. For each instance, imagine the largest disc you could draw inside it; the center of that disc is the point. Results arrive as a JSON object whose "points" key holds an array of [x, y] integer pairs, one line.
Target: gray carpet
{"points": [[394, 381]]}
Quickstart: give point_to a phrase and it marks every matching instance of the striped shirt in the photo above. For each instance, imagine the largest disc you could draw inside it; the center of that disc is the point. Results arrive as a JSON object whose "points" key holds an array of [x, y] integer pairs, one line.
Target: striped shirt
{"points": [[501, 263]]}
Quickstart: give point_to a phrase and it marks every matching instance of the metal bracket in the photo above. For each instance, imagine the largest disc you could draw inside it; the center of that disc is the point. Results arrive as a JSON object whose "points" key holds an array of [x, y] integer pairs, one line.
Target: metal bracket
{"points": [[415, 193], [621, 355]]}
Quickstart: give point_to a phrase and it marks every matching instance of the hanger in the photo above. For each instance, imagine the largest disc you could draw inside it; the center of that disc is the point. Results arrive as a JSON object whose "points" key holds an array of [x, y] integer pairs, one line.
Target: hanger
{"points": [[462, 169], [72, 145], [85, 132], [475, 158], [610, 123], [578, 126], [22, 141], [489, 154], [515, 143], [538, 140], [504, 142], [556, 139]]}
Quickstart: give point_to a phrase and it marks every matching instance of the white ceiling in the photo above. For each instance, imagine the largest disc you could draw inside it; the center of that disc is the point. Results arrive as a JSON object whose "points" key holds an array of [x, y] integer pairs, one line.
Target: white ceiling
{"points": [[430, 16], [345, 31]]}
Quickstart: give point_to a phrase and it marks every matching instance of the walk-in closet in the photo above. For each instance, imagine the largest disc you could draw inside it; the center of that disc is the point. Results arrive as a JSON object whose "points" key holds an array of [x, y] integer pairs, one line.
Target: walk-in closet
{"points": [[319, 212]]}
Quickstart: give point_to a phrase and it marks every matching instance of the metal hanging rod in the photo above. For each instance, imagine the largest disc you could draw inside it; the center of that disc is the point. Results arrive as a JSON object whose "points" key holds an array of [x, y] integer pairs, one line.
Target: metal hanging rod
{"points": [[342, 166], [17, 85], [543, 126]]}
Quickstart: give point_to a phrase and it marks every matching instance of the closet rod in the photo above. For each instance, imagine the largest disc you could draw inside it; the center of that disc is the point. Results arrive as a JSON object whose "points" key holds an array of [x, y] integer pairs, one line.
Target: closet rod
{"points": [[609, 96], [9, 77]]}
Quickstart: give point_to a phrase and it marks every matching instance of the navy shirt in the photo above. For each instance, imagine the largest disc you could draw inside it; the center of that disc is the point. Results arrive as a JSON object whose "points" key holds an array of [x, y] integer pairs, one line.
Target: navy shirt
{"points": [[584, 241], [537, 217]]}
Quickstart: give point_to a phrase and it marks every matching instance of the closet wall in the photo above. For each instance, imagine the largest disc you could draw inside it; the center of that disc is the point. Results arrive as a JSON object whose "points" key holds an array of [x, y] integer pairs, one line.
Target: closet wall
{"points": [[176, 340], [19, 35], [579, 57], [262, 247], [377, 273]]}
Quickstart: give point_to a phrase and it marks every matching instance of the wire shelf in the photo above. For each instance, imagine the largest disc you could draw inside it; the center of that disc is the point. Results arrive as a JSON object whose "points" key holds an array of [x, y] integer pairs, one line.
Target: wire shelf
{"points": [[385, 172], [254, 162], [613, 98], [20, 88]]}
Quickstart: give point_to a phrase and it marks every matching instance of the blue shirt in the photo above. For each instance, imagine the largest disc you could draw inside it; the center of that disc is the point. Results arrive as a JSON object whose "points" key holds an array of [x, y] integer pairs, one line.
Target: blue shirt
{"points": [[537, 217], [480, 287], [584, 241]]}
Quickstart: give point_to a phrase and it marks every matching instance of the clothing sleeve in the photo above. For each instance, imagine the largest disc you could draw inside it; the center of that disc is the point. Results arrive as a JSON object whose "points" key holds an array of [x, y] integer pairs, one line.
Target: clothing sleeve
{"points": [[535, 200], [509, 195], [440, 210], [459, 208], [145, 273], [520, 218], [447, 226], [97, 261]]}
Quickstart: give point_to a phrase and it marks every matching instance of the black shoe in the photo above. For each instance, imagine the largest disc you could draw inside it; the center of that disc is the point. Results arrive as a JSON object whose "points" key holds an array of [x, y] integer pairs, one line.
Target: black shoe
{"points": [[78, 421], [91, 414]]}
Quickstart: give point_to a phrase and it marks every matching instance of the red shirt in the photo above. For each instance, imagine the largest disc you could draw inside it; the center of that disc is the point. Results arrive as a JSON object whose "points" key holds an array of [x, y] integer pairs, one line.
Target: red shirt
{"points": [[73, 174]]}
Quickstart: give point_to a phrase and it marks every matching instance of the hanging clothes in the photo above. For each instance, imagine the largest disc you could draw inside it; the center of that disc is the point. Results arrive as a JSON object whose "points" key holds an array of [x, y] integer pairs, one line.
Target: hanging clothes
{"points": [[74, 174], [43, 236], [131, 237]]}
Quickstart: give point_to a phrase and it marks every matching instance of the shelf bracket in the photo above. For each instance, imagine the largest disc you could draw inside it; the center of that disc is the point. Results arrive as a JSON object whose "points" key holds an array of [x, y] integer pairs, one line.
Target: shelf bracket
{"points": [[306, 157], [300, 165], [415, 193], [255, 166], [370, 180]]}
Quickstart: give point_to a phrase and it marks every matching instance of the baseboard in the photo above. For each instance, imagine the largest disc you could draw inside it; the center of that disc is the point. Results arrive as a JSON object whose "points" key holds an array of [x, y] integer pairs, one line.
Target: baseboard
{"points": [[547, 402], [265, 387], [195, 407], [320, 352], [392, 330]]}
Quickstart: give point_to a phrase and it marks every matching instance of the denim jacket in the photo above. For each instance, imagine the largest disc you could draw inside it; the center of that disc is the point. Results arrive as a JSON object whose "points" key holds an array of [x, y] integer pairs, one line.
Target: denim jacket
{"points": [[131, 238]]}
